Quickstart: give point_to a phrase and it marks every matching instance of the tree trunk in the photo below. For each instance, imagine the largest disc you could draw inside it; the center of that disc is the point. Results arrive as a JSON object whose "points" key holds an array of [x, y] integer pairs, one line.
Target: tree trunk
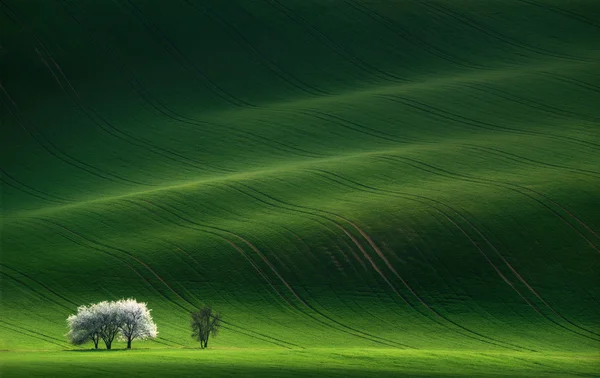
{"points": [[128, 343]]}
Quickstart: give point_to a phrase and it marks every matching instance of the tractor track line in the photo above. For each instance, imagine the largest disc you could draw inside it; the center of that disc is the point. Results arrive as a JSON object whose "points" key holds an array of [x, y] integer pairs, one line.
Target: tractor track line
{"points": [[131, 267], [409, 196], [245, 44], [360, 334], [412, 197], [447, 115], [324, 217], [56, 152], [112, 130], [182, 59]]}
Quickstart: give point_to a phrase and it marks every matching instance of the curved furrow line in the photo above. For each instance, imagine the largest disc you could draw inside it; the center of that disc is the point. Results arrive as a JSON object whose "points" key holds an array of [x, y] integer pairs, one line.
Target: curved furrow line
{"points": [[488, 182], [410, 289], [410, 196], [287, 148], [486, 29], [34, 334], [102, 248], [261, 273], [473, 304], [319, 220], [488, 89], [245, 332], [525, 160], [26, 191], [301, 241], [487, 258], [167, 112], [510, 186], [504, 184], [182, 59], [46, 287], [345, 122], [564, 12], [374, 265], [271, 143], [315, 212], [447, 115], [31, 190], [361, 262], [326, 223], [496, 269], [45, 62], [237, 248], [308, 296], [149, 98], [109, 128], [134, 80], [420, 199], [345, 328], [126, 137], [78, 104], [189, 256], [232, 244], [449, 273], [34, 291], [62, 156], [575, 170], [159, 339], [336, 48], [248, 332], [519, 277], [570, 80], [48, 298], [371, 281], [406, 36], [245, 44], [501, 184], [291, 274], [535, 364], [367, 336], [218, 292]]}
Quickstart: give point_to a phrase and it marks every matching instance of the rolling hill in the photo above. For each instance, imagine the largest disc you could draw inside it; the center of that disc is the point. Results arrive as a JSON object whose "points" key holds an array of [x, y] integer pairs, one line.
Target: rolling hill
{"points": [[415, 175]]}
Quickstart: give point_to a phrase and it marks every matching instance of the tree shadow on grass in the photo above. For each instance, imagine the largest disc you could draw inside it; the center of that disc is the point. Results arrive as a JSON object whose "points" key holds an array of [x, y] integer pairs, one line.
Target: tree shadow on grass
{"points": [[104, 350]]}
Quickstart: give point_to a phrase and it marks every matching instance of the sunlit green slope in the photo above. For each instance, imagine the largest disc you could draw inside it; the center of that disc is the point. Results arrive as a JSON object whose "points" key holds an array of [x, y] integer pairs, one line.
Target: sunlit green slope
{"points": [[406, 174]]}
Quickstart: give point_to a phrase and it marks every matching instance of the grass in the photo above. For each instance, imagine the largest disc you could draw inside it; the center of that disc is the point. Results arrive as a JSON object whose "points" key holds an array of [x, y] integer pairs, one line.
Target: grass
{"points": [[427, 189], [298, 363]]}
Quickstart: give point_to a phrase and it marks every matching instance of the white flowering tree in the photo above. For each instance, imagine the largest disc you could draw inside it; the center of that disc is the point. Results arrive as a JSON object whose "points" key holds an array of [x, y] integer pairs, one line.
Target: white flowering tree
{"points": [[135, 321], [105, 320], [109, 324], [84, 326]]}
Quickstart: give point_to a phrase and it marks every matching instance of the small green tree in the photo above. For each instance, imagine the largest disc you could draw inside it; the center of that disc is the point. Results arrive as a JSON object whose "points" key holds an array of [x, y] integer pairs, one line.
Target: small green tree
{"points": [[205, 323]]}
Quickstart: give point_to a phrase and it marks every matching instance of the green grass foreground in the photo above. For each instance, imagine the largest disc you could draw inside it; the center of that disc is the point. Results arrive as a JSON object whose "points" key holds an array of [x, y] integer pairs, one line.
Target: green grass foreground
{"points": [[328, 362]]}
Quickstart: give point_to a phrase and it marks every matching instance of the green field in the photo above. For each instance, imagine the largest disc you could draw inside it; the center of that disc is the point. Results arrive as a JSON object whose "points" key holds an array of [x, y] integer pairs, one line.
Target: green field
{"points": [[360, 187]]}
